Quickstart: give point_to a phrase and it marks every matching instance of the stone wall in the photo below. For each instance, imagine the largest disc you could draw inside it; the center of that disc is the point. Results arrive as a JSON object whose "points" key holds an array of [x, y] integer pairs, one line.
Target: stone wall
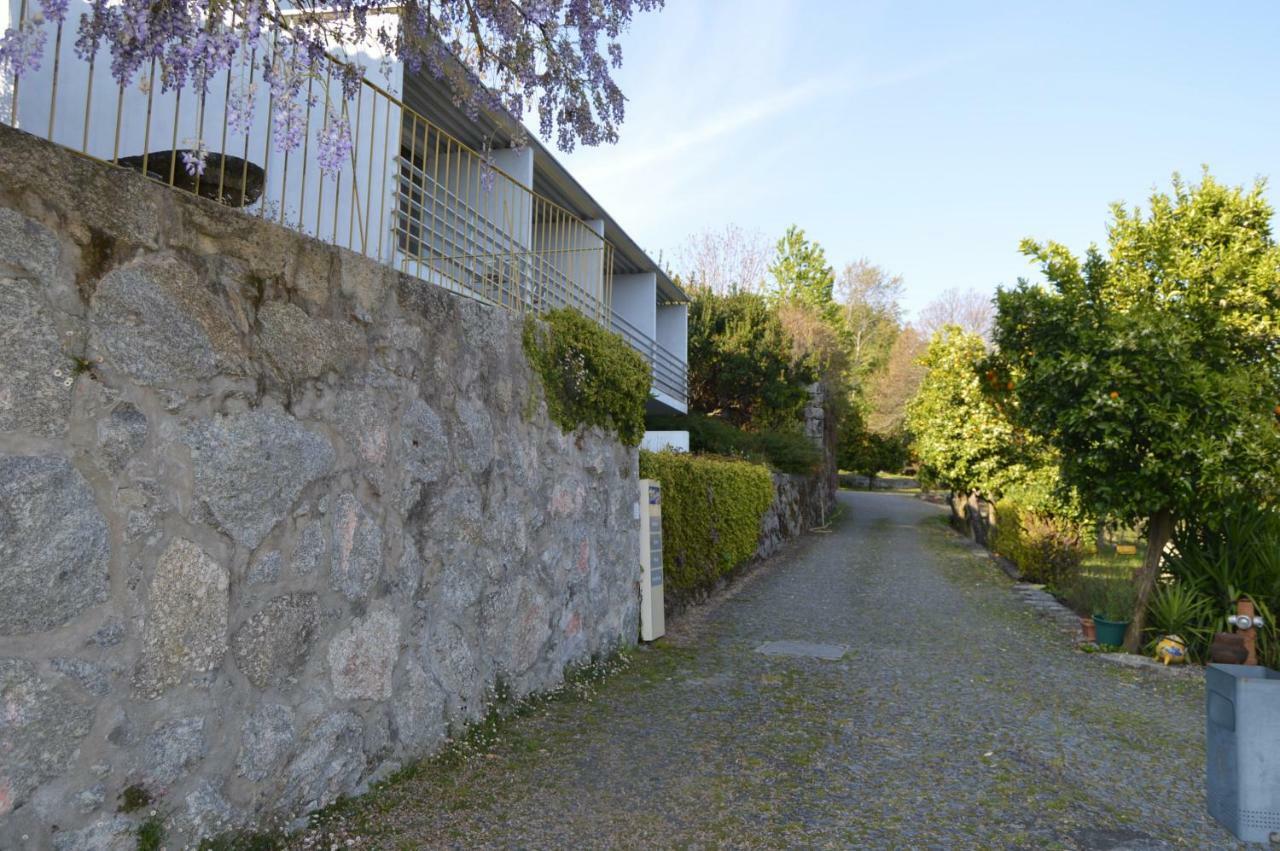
{"points": [[799, 504], [272, 517]]}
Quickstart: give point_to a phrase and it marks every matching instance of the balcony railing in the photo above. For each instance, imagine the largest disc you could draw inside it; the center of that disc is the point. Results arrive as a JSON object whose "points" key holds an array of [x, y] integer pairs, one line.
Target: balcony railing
{"points": [[407, 194]]}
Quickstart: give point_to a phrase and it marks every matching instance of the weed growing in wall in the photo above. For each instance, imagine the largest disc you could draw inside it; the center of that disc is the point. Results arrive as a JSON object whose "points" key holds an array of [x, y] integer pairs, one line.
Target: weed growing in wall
{"points": [[590, 376]]}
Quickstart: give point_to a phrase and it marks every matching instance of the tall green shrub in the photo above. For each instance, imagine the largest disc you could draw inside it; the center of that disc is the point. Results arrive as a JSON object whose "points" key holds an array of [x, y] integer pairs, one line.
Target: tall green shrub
{"points": [[1046, 548], [590, 376], [711, 512]]}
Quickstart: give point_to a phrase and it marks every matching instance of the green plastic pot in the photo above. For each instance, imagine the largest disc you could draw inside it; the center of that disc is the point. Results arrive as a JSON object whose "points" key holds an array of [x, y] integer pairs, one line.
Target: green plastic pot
{"points": [[1110, 632]]}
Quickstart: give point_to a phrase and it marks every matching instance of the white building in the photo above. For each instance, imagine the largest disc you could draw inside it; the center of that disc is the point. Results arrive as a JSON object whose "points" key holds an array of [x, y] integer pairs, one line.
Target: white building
{"points": [[513, 228]]}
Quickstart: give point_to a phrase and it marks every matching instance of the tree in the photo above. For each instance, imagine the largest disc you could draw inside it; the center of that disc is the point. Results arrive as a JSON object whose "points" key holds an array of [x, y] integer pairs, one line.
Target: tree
{"points": [[889, 390], [1154, 371], [961, 436], [867, 453], [868, 297], [968, 309], [741, 363], [800, 272], [503, 56], [726, 260]]}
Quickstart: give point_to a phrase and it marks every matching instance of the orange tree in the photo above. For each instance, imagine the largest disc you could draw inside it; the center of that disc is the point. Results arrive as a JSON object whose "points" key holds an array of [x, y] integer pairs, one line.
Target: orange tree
{"points": [[1154, 370]]}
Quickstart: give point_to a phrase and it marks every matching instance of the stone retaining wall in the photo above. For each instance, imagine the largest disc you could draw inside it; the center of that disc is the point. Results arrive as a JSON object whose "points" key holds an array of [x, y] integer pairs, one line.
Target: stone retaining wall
{"points": [[799, 504], [272, 516]]}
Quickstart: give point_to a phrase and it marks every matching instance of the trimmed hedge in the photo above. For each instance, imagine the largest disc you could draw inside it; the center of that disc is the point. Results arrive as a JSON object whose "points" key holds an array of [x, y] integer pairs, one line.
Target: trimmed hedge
{"points": [[787, 451], [590, 376], [711, 513]]}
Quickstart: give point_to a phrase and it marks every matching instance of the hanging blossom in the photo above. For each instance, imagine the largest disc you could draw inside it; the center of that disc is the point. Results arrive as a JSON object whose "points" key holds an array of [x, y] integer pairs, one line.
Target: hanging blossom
{"points": [[334, 144], [555, 57], [195, 157], [285, 73], [488, 174], [21, 49]]}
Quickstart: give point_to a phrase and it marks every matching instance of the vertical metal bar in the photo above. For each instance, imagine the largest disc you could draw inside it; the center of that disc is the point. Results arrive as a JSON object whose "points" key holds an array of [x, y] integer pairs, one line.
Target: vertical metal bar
{"points": [[88, 101], [442, 187], [115, 153], [248, 131], [200, 146], [271, 108], [435, 230], [306, 160], [53, 94], [222, 145], [355, 182], [328, 79], [368, 179], [355, 159], [173, 148], [472, 245], [386, 141], [414, 209], [146, 131], [17, 78]]}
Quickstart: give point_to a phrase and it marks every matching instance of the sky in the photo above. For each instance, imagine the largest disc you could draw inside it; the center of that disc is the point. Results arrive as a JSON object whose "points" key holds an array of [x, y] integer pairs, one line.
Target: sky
{"points": [[931, 138]]}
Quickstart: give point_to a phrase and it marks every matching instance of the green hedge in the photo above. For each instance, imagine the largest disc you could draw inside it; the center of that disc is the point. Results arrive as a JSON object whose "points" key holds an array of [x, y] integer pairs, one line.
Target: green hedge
{"points": [[783, 450], [591, 377], [1045, 548], [711, 512]]}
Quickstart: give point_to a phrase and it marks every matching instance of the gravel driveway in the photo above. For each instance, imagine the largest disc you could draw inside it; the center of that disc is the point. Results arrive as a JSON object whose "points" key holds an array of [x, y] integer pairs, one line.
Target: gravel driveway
{"points": [[954, 719]]}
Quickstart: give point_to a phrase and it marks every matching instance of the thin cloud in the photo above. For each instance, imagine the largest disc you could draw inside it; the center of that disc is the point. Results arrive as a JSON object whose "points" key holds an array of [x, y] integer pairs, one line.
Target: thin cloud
{"points": [[759, 109]]}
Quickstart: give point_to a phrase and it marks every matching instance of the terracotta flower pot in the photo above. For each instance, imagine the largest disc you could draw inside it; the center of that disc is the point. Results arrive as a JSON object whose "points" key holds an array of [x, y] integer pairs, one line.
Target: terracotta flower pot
{"points": [[1087, 627]]}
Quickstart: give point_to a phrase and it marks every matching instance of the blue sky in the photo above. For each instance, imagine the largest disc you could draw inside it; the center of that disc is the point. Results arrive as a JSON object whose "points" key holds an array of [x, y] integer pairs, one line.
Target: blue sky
{"points": [[931, 137]]}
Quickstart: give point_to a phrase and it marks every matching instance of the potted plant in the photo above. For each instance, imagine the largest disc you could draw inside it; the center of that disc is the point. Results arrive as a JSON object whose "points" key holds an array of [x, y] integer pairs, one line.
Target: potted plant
{"points": [[1113, 610]]}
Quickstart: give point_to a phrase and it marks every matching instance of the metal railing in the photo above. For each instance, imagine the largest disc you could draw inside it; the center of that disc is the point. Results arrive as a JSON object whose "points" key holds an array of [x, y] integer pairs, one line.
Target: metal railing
{"points": [[670, 374], [406, 193]]}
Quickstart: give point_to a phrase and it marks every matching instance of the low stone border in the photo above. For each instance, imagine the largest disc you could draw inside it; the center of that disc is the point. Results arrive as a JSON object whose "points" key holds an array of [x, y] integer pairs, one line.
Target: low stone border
{"points": [[1047, 606], [1130, 660]]}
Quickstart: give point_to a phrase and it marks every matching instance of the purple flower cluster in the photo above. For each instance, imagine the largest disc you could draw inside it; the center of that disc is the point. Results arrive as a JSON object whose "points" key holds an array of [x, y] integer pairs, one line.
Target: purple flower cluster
{"points": [[22, 48], [285, 73], [555, 55], [334, 145], [193, 159]]}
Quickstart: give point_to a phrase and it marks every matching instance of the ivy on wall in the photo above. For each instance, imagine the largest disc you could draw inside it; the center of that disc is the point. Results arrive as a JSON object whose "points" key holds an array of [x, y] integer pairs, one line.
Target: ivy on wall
{"points": [[590, 376], [711, 513]]}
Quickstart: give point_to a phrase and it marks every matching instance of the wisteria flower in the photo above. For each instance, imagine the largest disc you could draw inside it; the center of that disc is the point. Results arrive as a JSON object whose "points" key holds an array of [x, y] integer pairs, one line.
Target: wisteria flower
{"points": [[334, 144], [194, 158]]}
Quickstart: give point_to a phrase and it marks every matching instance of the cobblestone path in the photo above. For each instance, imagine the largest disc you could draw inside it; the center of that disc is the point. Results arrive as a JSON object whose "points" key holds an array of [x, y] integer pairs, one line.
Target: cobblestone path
{"points": [[954, 719]]}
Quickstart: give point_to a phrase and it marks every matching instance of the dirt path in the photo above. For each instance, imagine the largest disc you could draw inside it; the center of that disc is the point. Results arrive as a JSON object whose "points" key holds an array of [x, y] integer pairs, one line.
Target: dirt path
{"points": [[953, 719]]}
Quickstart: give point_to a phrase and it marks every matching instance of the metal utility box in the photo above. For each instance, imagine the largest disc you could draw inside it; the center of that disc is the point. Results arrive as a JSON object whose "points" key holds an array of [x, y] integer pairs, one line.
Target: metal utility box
{"points": [[1242, 741], [652, 622]]}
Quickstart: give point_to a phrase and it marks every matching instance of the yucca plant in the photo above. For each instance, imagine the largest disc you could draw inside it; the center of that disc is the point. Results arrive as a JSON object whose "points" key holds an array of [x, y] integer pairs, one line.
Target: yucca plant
{"points": [[1177, 608], [1234, 556]]}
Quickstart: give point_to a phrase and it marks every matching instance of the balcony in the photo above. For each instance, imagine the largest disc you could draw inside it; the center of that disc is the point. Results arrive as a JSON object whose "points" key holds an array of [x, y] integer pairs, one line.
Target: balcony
{"points": [[408, 194]]}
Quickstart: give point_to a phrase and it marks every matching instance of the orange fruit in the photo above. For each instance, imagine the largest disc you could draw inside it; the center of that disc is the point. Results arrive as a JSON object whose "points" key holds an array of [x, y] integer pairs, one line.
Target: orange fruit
{"points": [[1115, 395], [1010, 385]]}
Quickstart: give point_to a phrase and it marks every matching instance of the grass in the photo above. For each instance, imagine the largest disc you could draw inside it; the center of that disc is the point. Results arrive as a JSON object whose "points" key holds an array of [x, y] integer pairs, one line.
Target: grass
{"points": [[151, 834]]}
